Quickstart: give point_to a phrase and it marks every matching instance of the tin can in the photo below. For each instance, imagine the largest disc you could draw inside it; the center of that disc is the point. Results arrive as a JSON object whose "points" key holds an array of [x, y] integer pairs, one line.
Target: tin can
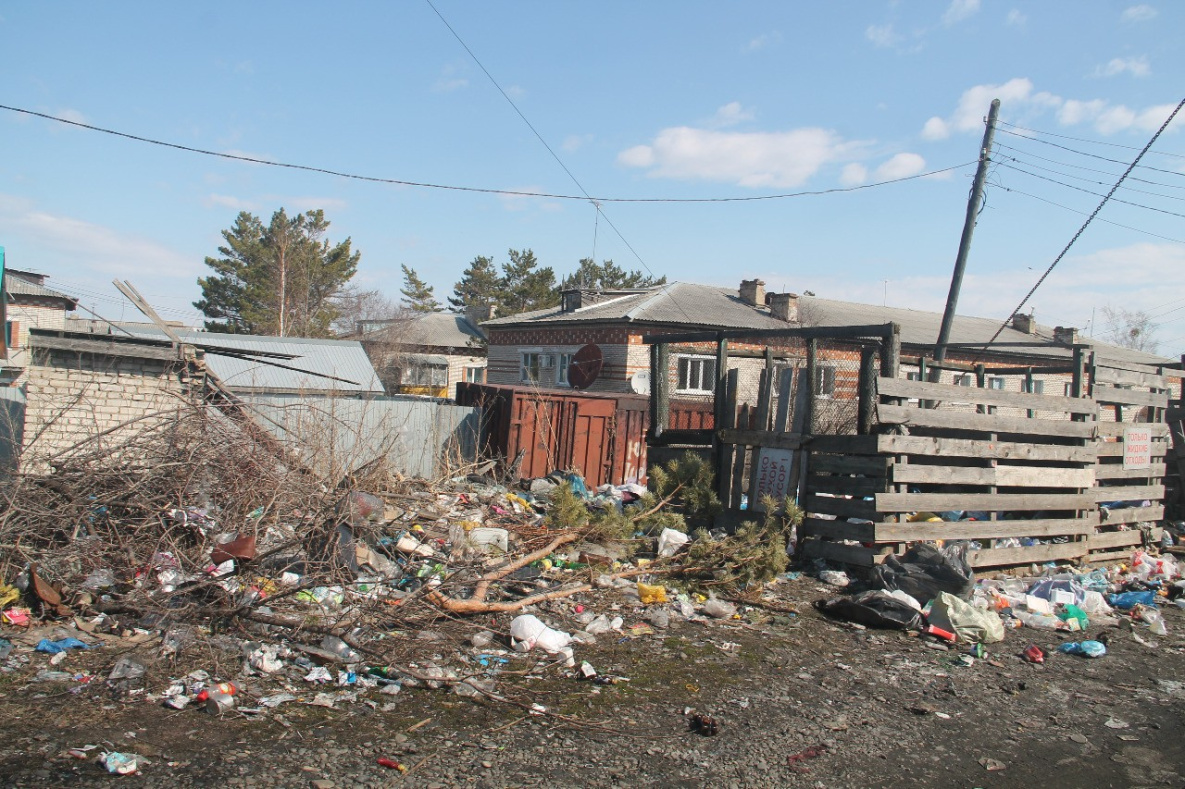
{"points": [[938, 632], [1034, 654], [218, 703]]}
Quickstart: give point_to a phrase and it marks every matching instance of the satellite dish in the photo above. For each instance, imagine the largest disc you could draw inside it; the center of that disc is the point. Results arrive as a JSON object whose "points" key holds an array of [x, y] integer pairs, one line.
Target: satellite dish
{"points": [[640, 382], [585, 367]]}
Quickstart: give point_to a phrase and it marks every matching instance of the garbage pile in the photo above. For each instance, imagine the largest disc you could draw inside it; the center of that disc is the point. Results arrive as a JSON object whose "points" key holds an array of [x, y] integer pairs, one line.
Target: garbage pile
{"points": [[932, 591], [348, 590]]}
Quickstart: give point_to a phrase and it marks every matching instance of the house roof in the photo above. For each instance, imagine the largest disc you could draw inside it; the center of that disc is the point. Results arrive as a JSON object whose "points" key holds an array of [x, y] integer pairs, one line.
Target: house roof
{"points": [[30, 285], [431, 330], [711, 307], [341, 359]]}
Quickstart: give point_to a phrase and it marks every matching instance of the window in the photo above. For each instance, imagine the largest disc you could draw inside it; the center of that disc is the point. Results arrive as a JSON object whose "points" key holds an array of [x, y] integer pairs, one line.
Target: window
{"points": [[1068, 389], [561, 370], [697, 374], [475, 375], [534, 364], [1036, 387], [995, 382], [966, 379], [824, 381], [425, 374], [913, 376]]}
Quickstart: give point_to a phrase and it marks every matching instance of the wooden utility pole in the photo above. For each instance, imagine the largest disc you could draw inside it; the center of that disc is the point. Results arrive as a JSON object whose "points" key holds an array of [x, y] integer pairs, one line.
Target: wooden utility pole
{"points": [[973, 205]]}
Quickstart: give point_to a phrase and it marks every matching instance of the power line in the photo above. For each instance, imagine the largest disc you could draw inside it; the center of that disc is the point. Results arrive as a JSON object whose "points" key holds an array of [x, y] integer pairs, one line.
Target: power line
{"points": [[1091, 155], [1087, 191], [1093, 142], [1086, 224], [1088, 169], [1088, 179], [997, 185], [480, 190]]}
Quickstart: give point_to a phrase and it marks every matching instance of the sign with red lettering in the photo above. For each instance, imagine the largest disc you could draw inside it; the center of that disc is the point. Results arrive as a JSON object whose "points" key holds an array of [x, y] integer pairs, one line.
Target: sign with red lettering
{"points": [[773, 475], [1137, 447]]}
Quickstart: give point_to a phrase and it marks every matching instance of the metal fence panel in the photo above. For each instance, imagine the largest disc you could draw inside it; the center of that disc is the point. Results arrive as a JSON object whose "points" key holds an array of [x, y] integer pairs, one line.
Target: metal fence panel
{"points": [[418, 437]]}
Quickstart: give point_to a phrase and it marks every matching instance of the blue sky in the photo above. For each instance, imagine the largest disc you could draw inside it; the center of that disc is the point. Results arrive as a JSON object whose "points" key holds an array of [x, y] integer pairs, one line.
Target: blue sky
{"points": [[667, 100]]}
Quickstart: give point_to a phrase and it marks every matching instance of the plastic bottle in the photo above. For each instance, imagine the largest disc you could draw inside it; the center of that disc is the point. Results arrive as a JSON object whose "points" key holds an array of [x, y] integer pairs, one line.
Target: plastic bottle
{"points": [[1044, 621]]}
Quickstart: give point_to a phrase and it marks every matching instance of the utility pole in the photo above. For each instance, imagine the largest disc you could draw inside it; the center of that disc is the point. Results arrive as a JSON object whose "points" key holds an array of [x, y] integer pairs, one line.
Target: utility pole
{"points": [[973, 205]]}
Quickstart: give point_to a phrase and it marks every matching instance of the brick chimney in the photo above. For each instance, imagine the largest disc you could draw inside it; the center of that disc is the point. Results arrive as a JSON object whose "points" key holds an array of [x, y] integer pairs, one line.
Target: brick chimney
{"points": [[783, 306], [1066, 335], [1023, 323], [753, 292], [480, 312]]}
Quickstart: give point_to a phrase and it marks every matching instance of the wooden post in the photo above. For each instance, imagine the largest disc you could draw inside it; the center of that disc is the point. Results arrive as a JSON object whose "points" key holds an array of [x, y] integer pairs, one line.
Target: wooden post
{"points": [[765, 392], [1029, 388], [660, 389], [866, 408], [728, 453], [981, 382], [785, 394], [812, 373], [720, 408]]}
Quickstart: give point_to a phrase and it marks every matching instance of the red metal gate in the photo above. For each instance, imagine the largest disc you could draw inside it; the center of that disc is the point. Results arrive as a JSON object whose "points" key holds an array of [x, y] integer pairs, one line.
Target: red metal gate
{"points": [[601, 436]]}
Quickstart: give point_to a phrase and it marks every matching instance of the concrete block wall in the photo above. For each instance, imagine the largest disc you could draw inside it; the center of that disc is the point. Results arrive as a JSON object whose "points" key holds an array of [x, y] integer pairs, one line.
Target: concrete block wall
{"points": [[71, 397]]}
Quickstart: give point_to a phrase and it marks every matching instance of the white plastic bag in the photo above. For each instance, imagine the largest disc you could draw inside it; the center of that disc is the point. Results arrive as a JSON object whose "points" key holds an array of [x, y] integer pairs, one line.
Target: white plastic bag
{"points": [[670, 541], [965, 621]]}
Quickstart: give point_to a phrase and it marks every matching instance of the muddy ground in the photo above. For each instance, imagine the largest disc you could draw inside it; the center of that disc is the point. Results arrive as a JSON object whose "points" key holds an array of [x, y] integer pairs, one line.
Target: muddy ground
{"points": [[799, 701]]}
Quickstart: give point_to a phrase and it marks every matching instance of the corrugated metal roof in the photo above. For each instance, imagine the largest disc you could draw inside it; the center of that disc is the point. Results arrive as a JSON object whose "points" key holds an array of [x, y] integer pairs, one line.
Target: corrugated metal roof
{"points": [[710, 307], [17, 285], [344, 359], [431, 329]]}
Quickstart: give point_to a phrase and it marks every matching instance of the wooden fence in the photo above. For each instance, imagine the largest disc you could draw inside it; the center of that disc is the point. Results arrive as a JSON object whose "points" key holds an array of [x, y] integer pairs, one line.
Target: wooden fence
{"points": [[1032, 478]]}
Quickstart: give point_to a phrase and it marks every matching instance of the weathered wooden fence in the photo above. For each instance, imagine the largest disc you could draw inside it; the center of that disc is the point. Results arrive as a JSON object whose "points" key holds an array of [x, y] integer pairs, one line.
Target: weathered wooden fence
{"points": [[1030, 477]]}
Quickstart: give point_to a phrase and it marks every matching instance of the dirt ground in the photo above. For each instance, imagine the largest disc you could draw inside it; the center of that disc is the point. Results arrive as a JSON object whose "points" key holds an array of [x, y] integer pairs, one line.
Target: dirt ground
{"points": [[799, 701]]}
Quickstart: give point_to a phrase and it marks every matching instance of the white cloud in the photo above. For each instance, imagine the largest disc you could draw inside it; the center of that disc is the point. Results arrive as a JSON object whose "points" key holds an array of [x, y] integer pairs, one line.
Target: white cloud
{"points": [[902, 165], [450, 79], [1137, 67], [882, 35], [521, 202], [770, 39], [959, 10], [574, 142], [1139, 13], [1019, 98], [730, 115], [853, 174], [74, 116], [1016, 18], [62, 241], [936, 129], [229, 201], [1078, 286], [759, 159]]}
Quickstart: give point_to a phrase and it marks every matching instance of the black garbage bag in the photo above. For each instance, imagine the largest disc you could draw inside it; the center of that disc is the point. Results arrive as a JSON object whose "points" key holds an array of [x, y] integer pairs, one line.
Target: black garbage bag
{"points": [[877, 608], [923, 571]]}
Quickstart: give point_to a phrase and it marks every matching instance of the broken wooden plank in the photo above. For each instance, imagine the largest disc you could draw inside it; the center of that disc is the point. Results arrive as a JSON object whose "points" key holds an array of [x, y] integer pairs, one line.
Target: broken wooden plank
{"points": [[758, 438], [1114, 539], [1132, 515], [1115, 429], [872, 466], [986, 423], [1000, 476], [1111, 375], [1110, 471], [950, 393], [1106, 394], [840, 529], [977, 448], [985, 530], [987, 502], [1133, 493], [1036, 554], [841, 507]]}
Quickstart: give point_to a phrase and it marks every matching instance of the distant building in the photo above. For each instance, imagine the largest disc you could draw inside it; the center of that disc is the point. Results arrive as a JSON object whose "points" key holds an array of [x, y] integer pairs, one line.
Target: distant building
{"points": [[427, 353], [30, 305]]}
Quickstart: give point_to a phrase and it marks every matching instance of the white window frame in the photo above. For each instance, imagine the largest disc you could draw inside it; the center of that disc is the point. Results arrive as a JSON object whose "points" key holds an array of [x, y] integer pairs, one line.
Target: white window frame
{"points": [[997, 382], [825, 379], [1036, 386], [561, 369], [474, 374], [533, 373], [705, 367]]}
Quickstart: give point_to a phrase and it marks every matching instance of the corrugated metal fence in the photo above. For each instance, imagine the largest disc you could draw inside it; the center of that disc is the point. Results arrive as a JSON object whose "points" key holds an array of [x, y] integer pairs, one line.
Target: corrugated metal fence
{"points": [[418, 437]]}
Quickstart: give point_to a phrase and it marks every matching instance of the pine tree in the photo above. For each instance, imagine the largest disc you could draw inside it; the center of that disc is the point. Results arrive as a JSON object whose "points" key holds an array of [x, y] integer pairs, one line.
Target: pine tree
{"points": [[607, 276], [281, 279], [524, 286], [480, 286], [417, 294]]}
